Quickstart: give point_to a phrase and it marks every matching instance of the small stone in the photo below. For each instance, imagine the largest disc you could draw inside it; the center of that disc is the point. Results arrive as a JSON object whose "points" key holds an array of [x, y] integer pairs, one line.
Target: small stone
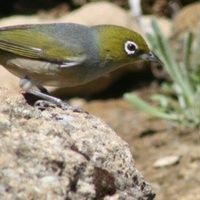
{"points": [[167, 161]]}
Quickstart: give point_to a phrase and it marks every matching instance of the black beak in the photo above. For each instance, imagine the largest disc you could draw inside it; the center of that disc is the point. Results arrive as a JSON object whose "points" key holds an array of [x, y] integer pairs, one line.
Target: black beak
{"points": [[151, 57]]}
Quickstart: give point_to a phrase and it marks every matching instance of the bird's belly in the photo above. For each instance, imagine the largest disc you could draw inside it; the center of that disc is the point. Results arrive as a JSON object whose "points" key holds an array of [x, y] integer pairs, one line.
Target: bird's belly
{"points": [[44, 73]]}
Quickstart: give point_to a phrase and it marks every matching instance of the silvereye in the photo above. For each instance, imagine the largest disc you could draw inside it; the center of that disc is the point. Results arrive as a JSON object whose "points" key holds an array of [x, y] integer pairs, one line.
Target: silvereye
{"points": [[67, 54]]}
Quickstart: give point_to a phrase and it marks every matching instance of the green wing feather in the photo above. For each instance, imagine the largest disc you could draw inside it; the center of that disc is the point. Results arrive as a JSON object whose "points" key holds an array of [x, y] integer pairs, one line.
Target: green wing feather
{"points": [[30, 43]]}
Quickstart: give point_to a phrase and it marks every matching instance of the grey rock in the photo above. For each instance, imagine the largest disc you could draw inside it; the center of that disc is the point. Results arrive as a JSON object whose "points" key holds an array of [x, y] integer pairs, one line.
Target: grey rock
{"points": [[59, 154]]}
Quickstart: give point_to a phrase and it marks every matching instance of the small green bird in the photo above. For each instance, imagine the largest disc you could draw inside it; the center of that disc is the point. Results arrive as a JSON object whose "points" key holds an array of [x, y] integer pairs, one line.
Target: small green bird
{"points": [[67, 54]]}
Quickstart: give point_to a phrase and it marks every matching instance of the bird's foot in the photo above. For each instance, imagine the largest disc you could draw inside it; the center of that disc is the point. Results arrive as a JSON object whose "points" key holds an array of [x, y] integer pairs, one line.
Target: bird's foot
{"points": [[50, 101], [43, 104]]}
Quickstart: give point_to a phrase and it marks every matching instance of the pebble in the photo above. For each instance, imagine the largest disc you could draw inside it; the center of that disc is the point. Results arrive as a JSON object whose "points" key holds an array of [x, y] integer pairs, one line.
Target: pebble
{"points": [[167, 161]]}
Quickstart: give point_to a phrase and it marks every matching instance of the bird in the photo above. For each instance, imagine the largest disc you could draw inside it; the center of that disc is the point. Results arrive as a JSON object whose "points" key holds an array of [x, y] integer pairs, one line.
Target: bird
{"points": [[67, 54]]}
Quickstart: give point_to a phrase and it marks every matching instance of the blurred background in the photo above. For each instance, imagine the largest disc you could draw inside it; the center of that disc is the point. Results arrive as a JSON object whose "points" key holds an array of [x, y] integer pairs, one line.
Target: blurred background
{"points": [[151, 138]]}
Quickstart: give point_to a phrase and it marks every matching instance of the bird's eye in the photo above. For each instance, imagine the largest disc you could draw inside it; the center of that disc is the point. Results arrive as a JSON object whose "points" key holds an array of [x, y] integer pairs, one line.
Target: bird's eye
{"points": [[130, 47]]}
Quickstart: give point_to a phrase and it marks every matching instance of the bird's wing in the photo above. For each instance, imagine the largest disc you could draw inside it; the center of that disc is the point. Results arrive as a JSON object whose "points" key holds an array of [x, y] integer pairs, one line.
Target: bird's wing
{"points": [[41, 46]]}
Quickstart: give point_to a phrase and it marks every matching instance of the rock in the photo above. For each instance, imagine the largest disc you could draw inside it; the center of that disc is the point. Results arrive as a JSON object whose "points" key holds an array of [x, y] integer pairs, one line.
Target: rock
{"points": [[186, 20], [9, 81], [90, 14], [163, 23], [102, 13], [59, 154]]}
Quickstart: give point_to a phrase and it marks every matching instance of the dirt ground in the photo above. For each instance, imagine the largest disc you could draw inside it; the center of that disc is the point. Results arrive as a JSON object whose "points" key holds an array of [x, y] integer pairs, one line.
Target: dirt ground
{"points": [[151, 139]]}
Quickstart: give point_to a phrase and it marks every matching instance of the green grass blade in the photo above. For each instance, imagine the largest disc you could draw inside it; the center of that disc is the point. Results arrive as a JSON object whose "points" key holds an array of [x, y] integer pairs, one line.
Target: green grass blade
{"points": [[144, 106], [170, 63], [196, 63], [187, 49]]}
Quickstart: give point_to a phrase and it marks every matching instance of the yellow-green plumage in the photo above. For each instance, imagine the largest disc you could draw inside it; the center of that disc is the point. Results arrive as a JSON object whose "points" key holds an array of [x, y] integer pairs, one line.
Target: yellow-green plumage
{"points": [[111, 43], [30, 42]]}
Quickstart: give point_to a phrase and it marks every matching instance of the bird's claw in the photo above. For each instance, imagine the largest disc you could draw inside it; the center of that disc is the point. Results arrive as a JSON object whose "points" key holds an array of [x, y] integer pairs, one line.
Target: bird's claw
{"points": [[65, 106], [43, 104]]}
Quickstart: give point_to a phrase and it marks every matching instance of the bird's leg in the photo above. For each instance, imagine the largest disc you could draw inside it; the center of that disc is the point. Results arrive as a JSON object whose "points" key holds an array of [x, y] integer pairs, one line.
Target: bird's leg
{"points": [[43, 90], [49, 100], [25, 83]]}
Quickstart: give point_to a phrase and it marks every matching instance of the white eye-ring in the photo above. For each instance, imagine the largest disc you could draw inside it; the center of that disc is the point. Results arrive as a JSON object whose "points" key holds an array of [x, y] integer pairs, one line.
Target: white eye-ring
{"points": [[130, 47]]}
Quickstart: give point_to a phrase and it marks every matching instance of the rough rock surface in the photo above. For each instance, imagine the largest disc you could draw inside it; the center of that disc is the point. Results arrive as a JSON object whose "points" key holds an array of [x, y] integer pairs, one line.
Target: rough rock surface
{"points": [[57, 154]]}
